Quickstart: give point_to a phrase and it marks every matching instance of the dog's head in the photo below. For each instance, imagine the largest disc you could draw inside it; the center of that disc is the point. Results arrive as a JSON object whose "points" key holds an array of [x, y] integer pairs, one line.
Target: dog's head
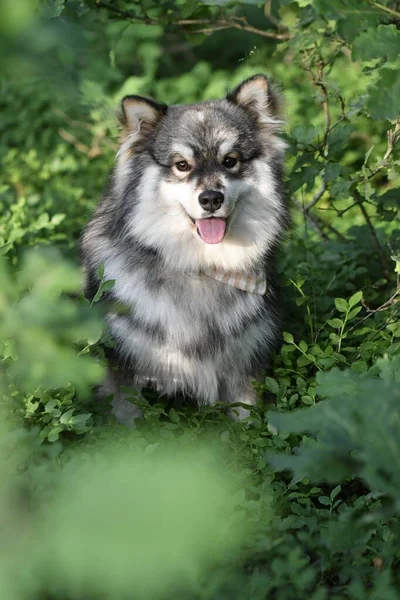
{"points": [[210, 190]]}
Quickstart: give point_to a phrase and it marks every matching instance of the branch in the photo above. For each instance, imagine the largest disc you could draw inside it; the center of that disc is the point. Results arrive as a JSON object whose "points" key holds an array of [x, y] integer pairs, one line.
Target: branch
{"points": [[395, 13], [71, 139], [317, 196], [377, 243], [319, 81], [268, 14], [386, 305], [210, 24], [90, 151], [318, 224], [393, 136], [312, 220]]}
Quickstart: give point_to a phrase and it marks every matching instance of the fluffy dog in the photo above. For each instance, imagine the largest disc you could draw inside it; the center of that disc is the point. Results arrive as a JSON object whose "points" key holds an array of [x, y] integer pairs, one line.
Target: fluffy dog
{"points": [[188, 229]]}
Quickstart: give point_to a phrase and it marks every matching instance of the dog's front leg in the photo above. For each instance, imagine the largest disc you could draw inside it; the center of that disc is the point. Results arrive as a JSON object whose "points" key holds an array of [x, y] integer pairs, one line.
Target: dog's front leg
{"points": [[237, 389], [125, 411]]}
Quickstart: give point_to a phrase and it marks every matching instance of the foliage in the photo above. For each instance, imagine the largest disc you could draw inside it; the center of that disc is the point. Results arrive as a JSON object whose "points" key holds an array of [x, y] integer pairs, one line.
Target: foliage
{"points": [[301, 502]]}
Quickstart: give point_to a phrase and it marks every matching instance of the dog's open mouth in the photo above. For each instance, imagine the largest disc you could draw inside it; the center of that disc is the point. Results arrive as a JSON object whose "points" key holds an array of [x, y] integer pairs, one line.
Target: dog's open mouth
{"points": [[211, 230]]}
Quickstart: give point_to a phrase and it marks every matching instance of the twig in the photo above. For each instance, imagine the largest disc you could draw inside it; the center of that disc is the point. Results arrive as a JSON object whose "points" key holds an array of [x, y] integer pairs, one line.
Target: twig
{"points": [[333, 230], [228, 24], [391, 11], [311, 220], [70, 121], [68, 137], [386, 305], [212, 25], [269, 15], [91, 152], [317, 196], [393, 136], [209, 30], [319, 224], [315, 223], [370, 226], [325, 103]]}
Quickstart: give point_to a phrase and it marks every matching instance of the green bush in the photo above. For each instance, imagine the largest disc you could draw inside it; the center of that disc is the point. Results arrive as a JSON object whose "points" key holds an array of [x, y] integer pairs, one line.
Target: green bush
{"points": [[303, 501]]}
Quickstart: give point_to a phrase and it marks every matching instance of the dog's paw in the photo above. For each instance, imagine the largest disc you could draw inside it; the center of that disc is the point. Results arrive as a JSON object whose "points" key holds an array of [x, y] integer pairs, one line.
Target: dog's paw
{"points": [[124, 411]]}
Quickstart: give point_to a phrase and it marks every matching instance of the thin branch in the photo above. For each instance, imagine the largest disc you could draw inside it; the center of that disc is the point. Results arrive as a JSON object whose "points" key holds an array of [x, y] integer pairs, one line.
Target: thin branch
{"points": [[370, 226], [315, 224], [393, 136], [319, 81], [122, 13], [72, 122], [230, 23], [317, 196], [71, 139], [391, 11], [386, 305], [269, 15], [211, 25], [210, 30], [333, 230], [90, 151], [319, 224]]}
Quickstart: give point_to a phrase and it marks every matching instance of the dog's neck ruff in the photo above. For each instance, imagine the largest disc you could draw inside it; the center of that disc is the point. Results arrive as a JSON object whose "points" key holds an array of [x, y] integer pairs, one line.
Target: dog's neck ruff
{"points": [[254, 282]]}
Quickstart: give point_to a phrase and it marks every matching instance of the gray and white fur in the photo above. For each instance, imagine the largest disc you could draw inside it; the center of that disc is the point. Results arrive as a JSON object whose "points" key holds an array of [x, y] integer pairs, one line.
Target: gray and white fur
{"points": [[177, 166]]}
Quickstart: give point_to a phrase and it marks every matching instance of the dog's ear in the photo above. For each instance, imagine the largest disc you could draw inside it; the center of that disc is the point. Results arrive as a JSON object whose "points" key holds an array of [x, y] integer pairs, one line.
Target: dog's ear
{"points": [[257, 96], [139, 115]]}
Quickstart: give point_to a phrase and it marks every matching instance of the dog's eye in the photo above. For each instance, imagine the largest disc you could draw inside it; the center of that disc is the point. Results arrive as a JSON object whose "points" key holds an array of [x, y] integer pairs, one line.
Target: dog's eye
{"points": [[229, 162], [182, 165]]}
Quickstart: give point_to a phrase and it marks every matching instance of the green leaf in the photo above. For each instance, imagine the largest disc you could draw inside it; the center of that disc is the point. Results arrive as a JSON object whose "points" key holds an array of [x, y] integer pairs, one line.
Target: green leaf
{"points": [[332, 172], [383, 100], [50, 9], [382, 42], [307, 400], [305, 176], [65, 417], [53, 435], [79, 421], [271, 385], [355, 299], [354, 312], [303, 346], [336, 323], [341, 305], [304, 134], [335, 492], [289, 339], [103, 287], [100, 271], [324, 500], [340, 189], [305, 360], [57, 219], [50, 406]]}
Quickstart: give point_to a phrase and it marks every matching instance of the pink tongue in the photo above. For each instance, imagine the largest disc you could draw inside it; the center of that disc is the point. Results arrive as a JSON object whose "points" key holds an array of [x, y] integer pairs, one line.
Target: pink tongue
{"points": [[212, 231]]}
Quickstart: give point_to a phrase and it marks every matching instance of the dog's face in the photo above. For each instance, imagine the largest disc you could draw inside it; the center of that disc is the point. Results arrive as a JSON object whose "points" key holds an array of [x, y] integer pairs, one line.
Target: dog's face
{"points": [[211, 183]]}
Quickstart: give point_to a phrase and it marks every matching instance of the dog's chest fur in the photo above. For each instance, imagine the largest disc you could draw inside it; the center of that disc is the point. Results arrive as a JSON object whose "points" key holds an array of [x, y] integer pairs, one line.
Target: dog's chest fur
{"points": [[187, 331]]}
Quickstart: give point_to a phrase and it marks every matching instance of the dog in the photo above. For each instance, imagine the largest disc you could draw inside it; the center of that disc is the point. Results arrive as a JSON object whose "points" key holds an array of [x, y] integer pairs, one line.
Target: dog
{"points": [[189, 229]]}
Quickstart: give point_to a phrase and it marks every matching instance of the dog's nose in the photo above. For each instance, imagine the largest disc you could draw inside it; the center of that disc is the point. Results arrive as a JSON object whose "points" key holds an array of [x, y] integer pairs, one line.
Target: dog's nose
{"points": [[211, 200]]}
